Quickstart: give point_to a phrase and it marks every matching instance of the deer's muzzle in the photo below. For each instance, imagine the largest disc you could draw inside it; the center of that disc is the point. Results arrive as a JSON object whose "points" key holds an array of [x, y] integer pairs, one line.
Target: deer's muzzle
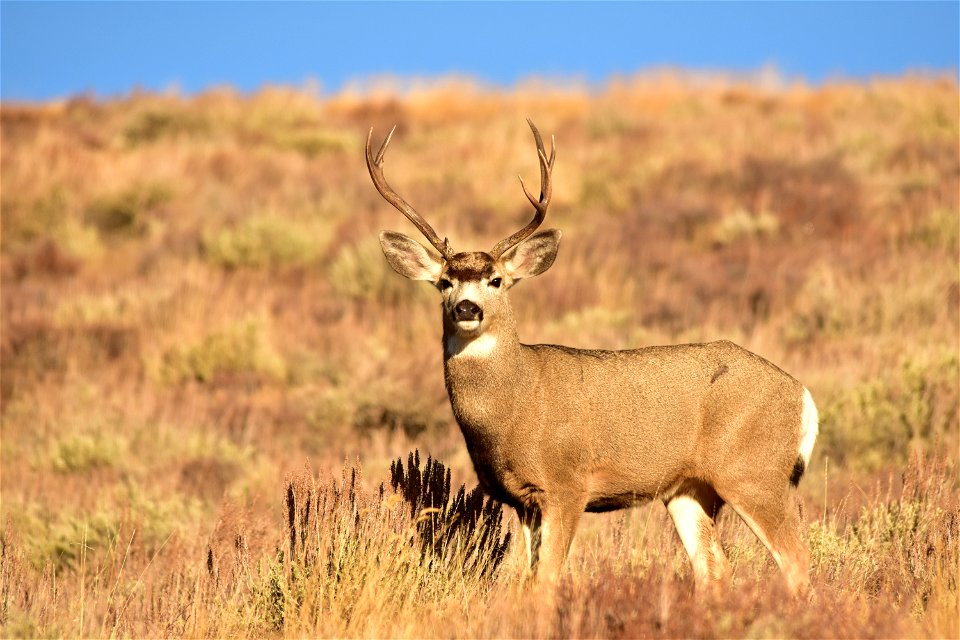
{"points": [[467, 311]]}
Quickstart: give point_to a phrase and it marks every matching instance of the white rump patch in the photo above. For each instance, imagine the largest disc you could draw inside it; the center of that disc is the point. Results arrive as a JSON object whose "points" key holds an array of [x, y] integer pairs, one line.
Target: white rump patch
{"points": [[479, 347], [809, 427]]}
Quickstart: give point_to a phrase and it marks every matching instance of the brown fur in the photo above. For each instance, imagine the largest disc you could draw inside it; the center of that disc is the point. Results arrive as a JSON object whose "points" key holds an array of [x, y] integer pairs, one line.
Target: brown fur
{"points": [[555, 431], [469, 266]]}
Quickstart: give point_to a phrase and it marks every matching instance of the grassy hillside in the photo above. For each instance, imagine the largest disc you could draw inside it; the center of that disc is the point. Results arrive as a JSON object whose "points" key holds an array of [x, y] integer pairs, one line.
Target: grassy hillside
{"points": [[198, 324]]}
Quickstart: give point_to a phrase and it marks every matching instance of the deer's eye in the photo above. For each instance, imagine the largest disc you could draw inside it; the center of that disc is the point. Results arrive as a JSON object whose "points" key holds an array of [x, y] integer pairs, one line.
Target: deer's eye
{"points": [[445, 284], [495, 283]]}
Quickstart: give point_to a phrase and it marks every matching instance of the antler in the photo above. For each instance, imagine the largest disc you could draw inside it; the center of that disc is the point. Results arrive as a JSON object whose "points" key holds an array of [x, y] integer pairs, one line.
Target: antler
{"points": [[546, 190], [375, 165]]}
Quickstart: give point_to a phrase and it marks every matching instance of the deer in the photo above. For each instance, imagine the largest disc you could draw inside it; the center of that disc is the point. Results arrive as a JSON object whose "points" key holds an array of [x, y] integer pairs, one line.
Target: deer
{"points": [[554, 431]]}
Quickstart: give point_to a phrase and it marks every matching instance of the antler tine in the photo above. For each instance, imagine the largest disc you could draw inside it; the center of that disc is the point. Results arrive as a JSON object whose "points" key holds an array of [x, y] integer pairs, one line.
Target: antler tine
{"points": [[375, 166], [541, 204]]}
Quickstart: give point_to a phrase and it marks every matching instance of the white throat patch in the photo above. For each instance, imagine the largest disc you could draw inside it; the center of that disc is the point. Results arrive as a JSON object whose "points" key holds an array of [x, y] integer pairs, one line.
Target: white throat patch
{"points": [[479, 347]]}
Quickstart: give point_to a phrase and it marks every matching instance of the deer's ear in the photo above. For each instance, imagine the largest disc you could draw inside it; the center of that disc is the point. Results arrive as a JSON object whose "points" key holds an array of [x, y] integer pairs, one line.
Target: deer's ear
{"points": [[409, 258], [533, 256]]}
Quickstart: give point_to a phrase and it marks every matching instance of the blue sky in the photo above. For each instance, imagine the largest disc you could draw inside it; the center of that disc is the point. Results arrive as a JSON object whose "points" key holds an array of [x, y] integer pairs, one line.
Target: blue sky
{"points": [[54, 49]]}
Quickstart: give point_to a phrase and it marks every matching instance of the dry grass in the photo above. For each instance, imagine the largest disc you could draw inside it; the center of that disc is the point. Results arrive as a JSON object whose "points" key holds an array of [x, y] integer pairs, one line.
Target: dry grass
{"points": [[194, 306]]}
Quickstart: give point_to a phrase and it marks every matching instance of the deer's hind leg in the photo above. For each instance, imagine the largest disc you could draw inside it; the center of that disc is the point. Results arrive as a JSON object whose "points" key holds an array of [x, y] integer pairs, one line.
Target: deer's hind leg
{"points": [[693, 509], [530, 521], [777, 523]]}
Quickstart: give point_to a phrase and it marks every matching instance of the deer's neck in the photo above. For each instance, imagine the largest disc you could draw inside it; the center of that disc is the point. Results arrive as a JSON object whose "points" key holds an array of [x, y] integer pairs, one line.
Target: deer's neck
{"points": [[484, 378]]}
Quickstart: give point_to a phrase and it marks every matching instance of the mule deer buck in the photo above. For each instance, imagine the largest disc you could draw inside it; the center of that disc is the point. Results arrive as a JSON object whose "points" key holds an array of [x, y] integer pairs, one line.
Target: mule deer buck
{"points": [[554, 431]]}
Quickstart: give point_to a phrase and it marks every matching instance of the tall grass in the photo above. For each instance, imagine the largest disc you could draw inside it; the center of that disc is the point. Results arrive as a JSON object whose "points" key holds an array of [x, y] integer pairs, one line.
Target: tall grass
{"points": [[353, 561], [194, 305]]}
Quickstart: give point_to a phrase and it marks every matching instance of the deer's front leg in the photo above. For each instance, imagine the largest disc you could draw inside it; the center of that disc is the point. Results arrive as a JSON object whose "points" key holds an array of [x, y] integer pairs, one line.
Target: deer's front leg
{"points": [[548, 532]]}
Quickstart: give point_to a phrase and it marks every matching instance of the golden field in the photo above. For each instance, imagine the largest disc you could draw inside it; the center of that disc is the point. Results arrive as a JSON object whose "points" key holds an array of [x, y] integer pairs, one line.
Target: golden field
{"points": [[208, 366]]}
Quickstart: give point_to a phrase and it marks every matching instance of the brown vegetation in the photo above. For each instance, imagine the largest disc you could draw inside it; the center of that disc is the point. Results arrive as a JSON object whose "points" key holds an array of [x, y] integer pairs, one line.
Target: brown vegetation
{"points": [[195, 305]]}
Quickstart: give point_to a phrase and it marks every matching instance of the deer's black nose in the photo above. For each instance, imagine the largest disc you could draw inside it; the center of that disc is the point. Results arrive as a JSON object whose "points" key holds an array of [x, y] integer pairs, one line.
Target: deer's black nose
{"points": [[467, 310]]}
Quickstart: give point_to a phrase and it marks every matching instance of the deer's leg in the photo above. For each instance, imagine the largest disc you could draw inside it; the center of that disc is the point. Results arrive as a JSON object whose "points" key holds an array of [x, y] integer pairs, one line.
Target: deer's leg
{"points": [[530, 521], [693, 511], [776, 521], [550, 541], [559, 524]]}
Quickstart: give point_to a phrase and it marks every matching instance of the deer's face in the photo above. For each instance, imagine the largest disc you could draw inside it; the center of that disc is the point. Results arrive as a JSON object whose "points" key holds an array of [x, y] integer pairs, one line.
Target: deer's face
{"points": [[473, 285]]}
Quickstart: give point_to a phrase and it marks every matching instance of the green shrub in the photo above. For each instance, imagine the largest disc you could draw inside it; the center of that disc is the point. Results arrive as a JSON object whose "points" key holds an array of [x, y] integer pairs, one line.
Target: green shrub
{"points": [[266, 241], [878, 422], [361, 272], [153, 124], [241, 348], [592, 319], [52, 216], [599, 191], [69, 534], [312, 142], [862, 427], [23, 221], [743, 224], [61, 538], [938, 229], [125, 213], [392, 415], [903, 544], [84, 452]]}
